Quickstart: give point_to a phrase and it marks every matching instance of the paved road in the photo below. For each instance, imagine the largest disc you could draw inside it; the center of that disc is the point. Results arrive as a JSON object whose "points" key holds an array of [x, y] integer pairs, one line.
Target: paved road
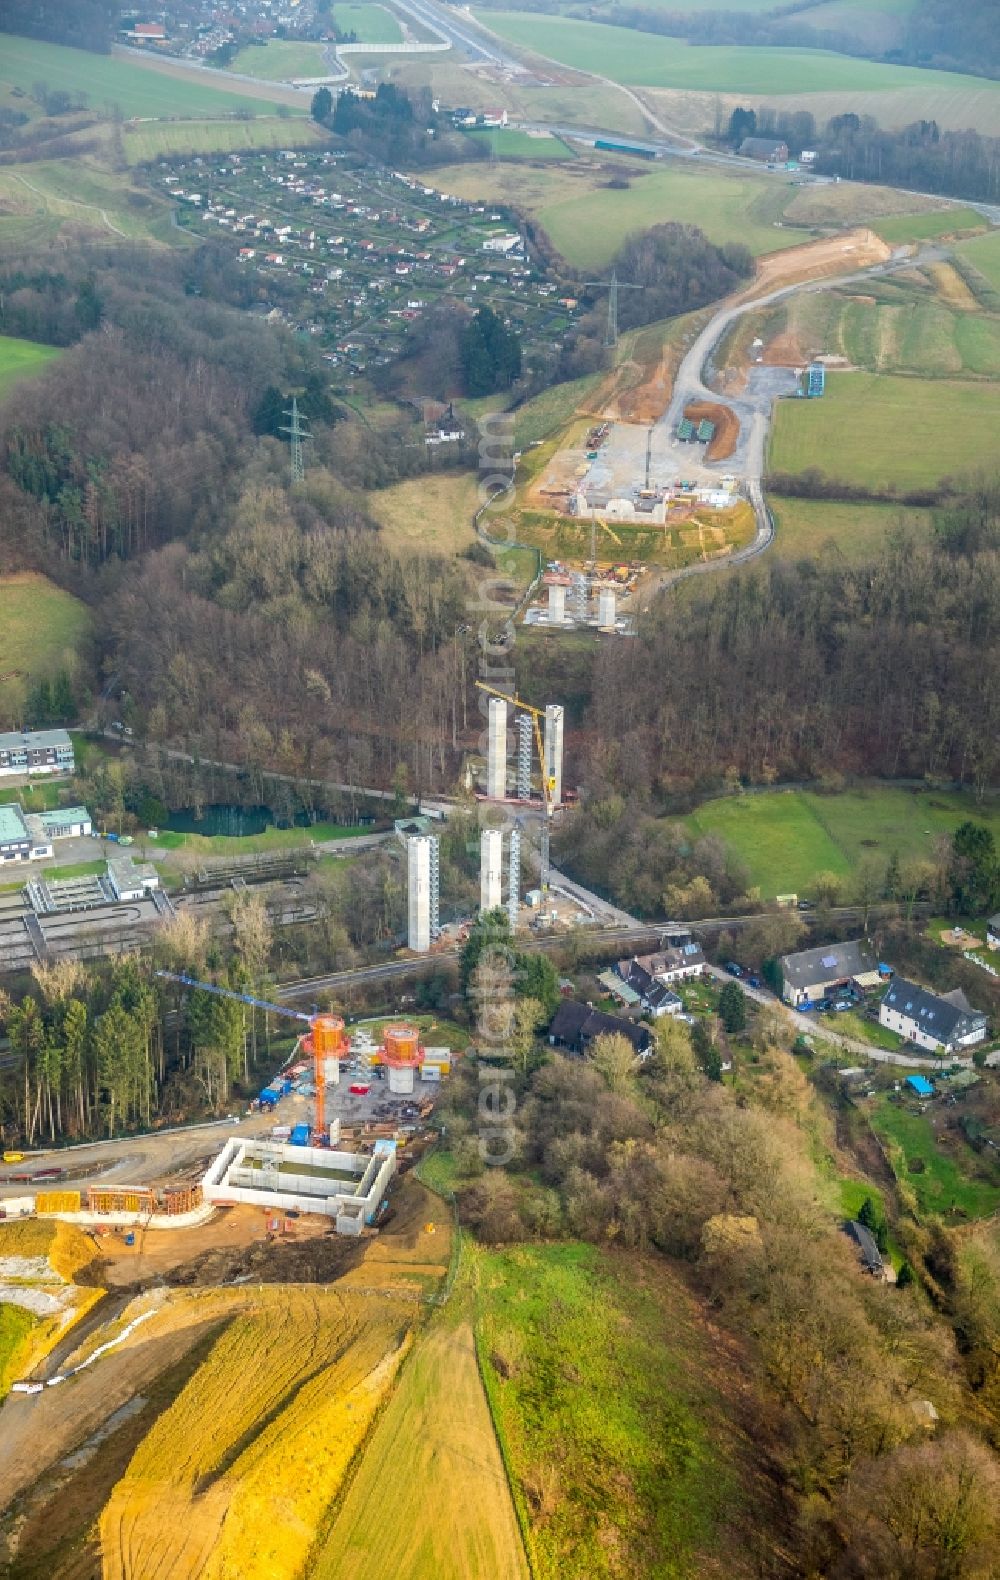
{"points": [[754, 408], [810, 1028]]}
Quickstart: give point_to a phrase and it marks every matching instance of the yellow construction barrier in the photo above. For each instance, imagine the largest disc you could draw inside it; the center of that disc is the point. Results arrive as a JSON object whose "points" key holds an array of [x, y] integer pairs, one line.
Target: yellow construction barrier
{"points": [[57, 1201]]}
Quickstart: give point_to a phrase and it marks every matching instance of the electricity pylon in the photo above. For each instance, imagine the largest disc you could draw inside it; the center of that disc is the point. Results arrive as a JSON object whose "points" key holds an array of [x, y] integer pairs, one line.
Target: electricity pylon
{"points": [[298, 436], [613, 286]]}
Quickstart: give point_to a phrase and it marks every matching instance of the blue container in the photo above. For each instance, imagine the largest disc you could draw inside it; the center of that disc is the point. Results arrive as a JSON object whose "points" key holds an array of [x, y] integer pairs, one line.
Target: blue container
{"points": [[299, 1136]]}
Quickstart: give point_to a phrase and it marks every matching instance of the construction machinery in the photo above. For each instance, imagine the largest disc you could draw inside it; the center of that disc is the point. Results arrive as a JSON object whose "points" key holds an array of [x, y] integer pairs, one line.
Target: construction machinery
{"points": [[325, 1041], [548, 782]]}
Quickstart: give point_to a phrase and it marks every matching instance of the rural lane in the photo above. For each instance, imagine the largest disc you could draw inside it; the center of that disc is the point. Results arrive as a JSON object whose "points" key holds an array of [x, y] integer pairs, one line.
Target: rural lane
{"points": [[808, 1027]]}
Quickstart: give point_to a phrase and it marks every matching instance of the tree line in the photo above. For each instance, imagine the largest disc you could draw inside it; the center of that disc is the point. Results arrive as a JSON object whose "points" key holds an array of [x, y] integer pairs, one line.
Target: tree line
{"points": [[83, 24], [806, 669]]}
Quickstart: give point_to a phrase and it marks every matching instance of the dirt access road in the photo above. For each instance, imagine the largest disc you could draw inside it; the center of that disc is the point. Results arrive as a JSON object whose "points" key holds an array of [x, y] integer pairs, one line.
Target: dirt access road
{"points": [[753, 407]]}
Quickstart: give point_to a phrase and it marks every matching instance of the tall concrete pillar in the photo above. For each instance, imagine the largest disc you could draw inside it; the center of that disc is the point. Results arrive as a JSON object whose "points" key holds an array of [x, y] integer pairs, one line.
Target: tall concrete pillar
{"points": [[606, 608], [418, 893], [496, 751], [554, 750], [557, 604], [490, 869]]}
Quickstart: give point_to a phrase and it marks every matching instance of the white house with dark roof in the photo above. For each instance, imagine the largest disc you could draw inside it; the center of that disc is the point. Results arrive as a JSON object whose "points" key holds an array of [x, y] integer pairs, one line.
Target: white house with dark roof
{"points": [[941, 1023], [655, 996]]}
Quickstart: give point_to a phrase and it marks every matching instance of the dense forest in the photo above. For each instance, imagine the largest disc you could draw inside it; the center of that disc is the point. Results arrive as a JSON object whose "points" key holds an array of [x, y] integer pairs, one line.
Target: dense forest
{"points": [[253, 623], [816, 668], [85, 24]]}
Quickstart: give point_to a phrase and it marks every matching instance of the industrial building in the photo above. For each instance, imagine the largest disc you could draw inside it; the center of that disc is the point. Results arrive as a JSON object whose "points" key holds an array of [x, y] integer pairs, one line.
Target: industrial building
{"points": [[812, 974], [17, 842], [36, 752], [30, 836], [131, 880], [943, 1023], [348, 1187]]}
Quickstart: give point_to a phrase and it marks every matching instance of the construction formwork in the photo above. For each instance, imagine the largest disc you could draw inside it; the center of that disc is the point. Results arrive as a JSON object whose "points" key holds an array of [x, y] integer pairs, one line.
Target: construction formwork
{"points": [[525, 749], [123, 1198], [514, 879]]}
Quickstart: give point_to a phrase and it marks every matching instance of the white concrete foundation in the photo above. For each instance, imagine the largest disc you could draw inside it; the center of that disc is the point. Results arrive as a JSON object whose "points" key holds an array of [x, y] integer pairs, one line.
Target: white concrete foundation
{"points": [[401, 1080], [264, 1174]]}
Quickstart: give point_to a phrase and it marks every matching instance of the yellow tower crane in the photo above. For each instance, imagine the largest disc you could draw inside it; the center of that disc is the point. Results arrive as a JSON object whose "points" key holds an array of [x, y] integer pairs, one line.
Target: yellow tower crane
{"points": [[595, 522], [548, 782]]}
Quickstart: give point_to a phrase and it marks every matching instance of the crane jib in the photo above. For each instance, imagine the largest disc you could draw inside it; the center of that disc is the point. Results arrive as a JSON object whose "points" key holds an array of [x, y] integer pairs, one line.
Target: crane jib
{"points": [[241, 998]]}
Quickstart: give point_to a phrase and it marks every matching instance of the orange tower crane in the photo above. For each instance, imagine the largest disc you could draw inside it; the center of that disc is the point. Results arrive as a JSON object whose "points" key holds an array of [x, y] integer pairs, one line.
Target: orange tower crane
{"points": [[326, 1038]]}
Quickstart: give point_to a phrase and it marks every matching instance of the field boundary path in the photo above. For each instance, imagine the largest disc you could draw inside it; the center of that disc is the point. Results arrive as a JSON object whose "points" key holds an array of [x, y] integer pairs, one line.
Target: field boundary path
{"points": [[47, 197]]}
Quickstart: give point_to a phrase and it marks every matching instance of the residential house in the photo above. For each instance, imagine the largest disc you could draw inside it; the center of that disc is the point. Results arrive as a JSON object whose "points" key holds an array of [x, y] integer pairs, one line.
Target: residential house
{"points": [[993, 932], [574, 1027], [655, 997], [680, 956], [941, 1023], [767, 150], [814, 973]]}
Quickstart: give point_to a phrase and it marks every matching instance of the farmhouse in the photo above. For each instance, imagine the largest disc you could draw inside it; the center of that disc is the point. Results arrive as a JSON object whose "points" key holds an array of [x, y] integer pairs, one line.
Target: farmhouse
{"points": [[993, 932], [810, 975], [942, 1023], [36, 752], [768, 150], [574, 1027]]}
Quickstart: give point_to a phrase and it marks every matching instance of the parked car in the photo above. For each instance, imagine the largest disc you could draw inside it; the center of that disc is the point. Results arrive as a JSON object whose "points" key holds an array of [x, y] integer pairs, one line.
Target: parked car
{"points": [[807, 905], [754, 981], [733, 969]]}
